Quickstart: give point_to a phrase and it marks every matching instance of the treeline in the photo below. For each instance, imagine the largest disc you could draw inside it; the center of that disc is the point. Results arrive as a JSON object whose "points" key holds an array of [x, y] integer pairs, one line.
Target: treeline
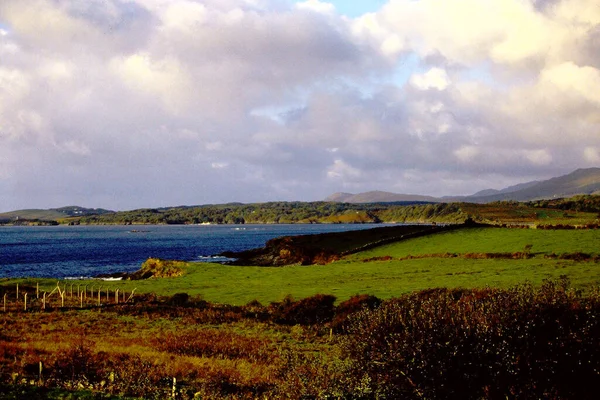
{"points": [[584, 203], [27, 222], [283, 213]]}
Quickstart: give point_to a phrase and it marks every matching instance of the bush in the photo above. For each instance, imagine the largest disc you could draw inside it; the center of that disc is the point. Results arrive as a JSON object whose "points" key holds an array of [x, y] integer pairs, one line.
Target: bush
{"points": [[472, 344], [353, 305], [309, 311]]}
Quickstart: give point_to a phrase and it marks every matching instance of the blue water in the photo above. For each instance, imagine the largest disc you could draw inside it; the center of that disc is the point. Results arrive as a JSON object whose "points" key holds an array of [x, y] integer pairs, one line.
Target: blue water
{"points": [[85, 251]]}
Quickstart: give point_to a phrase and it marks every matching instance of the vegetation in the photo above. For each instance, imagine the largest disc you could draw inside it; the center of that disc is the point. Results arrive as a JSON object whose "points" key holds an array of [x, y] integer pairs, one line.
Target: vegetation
{"points": [[579, 210], [155, 268], [525, 342], [327, 247]]}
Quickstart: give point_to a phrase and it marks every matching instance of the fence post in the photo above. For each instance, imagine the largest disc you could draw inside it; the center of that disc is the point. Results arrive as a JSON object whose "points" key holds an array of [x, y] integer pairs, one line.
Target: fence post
{"points": [[117, 296], [17, 291], [44, 301], [25, 302], [37, 290], [131, 296], [4, 302], [99, 297], [41, 381], [81, 300], [77, 290], [85, 291], [61, 294]]}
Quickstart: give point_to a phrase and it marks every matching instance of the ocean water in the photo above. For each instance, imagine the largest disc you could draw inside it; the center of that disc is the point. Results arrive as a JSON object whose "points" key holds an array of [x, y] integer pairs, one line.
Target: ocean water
{"points": [[86, 251]]}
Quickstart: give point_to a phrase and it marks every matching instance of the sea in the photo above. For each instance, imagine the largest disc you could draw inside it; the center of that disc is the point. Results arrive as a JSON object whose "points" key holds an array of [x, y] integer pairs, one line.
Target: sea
{"points": [[87, 251]]}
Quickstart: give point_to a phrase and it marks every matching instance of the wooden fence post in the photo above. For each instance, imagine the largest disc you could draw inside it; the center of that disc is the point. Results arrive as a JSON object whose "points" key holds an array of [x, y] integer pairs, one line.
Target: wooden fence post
{"points": [[99, 297], [44, 301], [123, 296], [17, 291], [4, 302], [117, 296], [85, 291], [61, 294], [131, 296], [81, 300], [71, 290], [107, 294], [37, 290], [41, 380], [25, 302]]}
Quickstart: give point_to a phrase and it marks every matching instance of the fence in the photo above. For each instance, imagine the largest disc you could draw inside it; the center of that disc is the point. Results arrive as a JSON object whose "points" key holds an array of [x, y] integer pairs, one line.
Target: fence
{"points": [[75, 295]]}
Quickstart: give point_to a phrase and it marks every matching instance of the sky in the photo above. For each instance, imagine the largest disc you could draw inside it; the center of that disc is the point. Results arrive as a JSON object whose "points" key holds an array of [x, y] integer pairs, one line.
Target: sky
{"points": [[126, 104]]}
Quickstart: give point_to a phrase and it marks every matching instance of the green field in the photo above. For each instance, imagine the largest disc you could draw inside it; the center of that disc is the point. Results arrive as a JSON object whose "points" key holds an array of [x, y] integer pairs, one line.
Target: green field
{"points": [[493, 240], [442, 263]]}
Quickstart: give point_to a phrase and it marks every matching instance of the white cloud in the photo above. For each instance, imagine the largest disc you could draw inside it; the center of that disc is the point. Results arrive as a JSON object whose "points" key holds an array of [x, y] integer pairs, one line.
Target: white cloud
{"points": [[538, 157], [340, 170], [219, 165], [592, 155], [570, 79], [435, 78], [317, 6], [75, 147], [466, 153]]}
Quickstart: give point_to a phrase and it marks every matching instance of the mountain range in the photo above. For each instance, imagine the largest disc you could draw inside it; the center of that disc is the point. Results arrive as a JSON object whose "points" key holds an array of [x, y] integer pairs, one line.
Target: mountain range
{"points": [[580, 181]]}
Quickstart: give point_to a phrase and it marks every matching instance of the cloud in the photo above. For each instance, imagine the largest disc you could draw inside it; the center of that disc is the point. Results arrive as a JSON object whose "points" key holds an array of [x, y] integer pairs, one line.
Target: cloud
{"points": [[435, 78], [317, 6], [130, 103]]}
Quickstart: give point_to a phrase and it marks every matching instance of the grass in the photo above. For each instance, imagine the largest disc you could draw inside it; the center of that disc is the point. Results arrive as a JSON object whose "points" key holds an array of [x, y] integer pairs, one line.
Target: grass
{"points": [[492, 240], [238, 285]]}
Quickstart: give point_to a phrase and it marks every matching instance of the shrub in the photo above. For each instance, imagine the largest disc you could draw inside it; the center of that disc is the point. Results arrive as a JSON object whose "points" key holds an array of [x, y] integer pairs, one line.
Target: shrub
{"points": [[157, 268], [309, 311], [472, 344], [353, 305]]}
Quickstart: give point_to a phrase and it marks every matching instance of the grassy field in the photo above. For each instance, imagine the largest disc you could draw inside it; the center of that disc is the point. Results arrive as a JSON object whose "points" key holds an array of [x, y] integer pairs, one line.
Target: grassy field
{"points": [[493, 240], [445, 260]]}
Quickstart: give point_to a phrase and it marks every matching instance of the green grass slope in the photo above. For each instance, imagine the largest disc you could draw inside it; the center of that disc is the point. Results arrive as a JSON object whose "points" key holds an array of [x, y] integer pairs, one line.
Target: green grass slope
{"points": [[392, 277], [492, 240]]}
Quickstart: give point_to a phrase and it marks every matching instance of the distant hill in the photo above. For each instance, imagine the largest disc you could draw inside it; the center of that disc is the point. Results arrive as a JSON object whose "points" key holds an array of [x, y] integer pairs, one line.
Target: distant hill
{"points": [[53, 214], [380, 197], [581, 181]]}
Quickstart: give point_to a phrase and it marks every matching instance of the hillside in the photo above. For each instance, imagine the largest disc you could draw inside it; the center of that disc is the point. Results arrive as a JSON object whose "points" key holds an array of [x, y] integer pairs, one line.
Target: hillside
{"points": [[53, 214], [381, 197], [581, 181], [324, 248]]}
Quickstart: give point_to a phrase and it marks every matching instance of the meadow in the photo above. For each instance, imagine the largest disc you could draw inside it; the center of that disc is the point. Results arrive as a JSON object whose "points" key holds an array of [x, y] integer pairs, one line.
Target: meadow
{"points": [[469, 257], [370, 325]]}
